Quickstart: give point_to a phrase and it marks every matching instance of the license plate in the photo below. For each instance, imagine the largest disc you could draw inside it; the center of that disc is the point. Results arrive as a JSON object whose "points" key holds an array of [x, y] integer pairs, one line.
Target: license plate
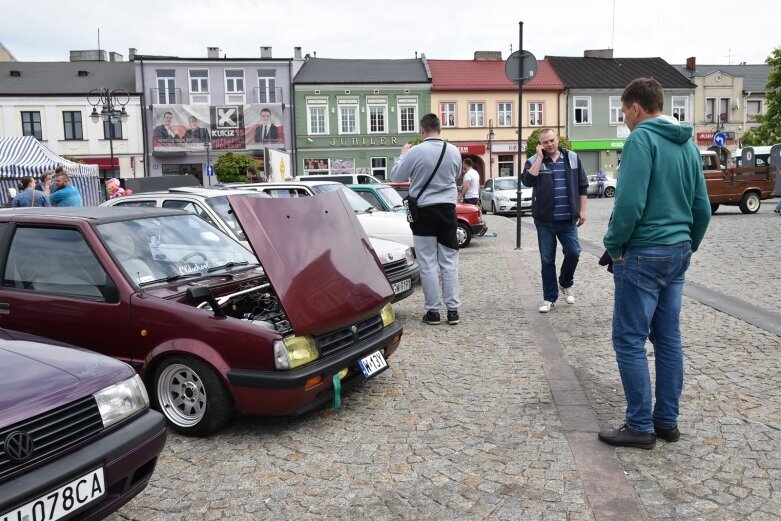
{"points": [[525, 204], [372, 364], [401, 286], [63, 501]]}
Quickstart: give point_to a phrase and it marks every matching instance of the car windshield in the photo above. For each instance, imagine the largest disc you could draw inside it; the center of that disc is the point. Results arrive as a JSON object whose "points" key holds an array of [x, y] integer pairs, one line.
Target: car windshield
{"points": [[159, 250], [355, 200], [221, 206], [391, 197], [509, 183]]}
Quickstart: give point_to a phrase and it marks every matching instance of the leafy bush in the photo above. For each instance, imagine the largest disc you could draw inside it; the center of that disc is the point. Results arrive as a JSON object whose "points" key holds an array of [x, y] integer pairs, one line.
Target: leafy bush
{"points": [[534, 138], [231, 168]]}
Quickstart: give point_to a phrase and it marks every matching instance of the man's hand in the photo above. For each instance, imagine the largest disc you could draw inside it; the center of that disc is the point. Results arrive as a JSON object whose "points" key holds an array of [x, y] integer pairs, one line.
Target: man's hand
{"points": [[581, 218], [405, 148]]}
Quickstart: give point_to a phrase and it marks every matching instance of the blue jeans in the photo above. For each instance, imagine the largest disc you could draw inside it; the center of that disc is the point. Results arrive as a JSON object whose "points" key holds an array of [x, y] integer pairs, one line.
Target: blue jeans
{"points": [[648, 291], [600, 190], [778, 206], [567, 234]]}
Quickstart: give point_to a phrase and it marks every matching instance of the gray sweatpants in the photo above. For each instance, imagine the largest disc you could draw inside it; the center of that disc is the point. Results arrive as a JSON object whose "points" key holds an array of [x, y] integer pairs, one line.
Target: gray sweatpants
{"points": [[437, 261]]}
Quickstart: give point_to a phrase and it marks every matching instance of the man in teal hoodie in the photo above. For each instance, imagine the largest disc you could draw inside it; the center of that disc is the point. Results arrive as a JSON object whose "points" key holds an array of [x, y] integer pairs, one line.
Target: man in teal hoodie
{"points": [[659, 218]]}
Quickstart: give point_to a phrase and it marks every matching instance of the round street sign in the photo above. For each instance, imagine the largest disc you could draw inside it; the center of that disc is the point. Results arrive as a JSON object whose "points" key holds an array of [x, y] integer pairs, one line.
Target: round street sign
{"points": [[520, 67], [720, 139]]}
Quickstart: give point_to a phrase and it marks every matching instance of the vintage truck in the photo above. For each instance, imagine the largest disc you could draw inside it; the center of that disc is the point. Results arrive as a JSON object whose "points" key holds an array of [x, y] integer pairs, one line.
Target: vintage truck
{"points": [[731, 186]]}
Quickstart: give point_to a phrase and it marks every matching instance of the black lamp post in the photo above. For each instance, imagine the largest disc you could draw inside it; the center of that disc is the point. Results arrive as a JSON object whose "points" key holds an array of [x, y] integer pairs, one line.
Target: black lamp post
{"points": [[208, 146], [112, 103], [490, 151]]}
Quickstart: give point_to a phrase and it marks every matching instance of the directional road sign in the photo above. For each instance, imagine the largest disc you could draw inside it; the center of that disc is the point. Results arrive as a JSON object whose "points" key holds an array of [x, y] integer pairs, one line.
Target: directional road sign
{"points": [[720, 139]]}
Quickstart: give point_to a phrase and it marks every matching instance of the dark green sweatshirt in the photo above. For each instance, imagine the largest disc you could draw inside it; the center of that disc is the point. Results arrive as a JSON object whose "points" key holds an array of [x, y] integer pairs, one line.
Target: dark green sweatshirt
{"points": [[661, 197]]}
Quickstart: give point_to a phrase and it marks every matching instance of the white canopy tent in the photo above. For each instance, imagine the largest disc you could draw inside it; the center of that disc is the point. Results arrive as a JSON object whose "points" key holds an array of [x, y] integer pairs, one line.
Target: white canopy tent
{"points": [[21, 156]]}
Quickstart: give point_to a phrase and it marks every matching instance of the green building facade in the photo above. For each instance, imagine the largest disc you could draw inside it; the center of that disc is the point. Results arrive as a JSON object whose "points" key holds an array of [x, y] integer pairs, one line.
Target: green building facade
{"points": [[353, 116]]}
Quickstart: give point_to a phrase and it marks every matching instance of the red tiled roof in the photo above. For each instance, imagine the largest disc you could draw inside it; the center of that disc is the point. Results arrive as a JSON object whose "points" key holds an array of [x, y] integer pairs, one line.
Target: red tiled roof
{"points": [[465, 75]]}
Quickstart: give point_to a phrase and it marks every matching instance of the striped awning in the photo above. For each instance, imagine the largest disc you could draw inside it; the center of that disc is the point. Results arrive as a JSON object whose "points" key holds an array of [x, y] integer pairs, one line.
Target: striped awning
{"points": [[21, 156]]}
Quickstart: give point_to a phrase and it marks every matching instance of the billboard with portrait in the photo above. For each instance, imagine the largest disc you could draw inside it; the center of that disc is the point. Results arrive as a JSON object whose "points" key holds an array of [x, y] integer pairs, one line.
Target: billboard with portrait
{"points": [[226, 127]]}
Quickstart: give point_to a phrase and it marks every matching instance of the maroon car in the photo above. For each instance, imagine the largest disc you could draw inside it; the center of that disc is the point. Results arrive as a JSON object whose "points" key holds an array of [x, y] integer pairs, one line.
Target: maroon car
{"points": [[209, 327], [77, 437]]}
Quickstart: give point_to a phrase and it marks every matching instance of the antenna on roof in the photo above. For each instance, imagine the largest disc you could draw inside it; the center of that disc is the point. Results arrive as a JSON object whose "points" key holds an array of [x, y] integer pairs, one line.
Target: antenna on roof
{"points": [[98, 41], [613, 32], [511, 48]]}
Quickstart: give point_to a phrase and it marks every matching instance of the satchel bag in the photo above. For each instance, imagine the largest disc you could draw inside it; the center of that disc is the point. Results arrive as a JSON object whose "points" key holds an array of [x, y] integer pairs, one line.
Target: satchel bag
{"points": [[411, 203]]}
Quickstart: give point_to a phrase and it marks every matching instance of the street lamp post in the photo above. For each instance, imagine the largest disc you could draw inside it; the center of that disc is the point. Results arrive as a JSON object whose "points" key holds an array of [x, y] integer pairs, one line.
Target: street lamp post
{"points": [[112, 103], [208, 146], [490, 152]]}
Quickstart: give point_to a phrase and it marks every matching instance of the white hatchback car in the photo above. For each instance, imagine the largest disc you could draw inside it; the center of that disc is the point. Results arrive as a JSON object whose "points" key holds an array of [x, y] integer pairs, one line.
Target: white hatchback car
{"points": [[211, 204], [610, 186], [500, 195]]}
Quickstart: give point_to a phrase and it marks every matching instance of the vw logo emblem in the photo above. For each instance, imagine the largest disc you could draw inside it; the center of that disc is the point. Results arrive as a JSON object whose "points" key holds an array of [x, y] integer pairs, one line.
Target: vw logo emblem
{"points": [[390, 256], [19, 446]]}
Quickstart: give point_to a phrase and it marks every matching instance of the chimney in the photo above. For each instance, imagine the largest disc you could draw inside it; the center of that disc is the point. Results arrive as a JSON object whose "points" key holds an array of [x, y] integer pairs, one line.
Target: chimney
{"points": [[213, 53], [297, 53], [115, 57], [87, 56], [599, 53], [691, 64], [488, 55], [265, 52], [131, 54]]}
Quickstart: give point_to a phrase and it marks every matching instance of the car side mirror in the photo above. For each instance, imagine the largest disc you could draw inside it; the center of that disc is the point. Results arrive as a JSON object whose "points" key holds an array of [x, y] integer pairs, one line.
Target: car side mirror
{"points": [[110, 292], [198, 294]]}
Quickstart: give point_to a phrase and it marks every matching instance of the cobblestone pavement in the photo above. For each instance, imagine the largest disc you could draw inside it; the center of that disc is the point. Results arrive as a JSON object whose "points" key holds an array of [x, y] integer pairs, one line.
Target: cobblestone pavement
{"points": [[465, 426]]}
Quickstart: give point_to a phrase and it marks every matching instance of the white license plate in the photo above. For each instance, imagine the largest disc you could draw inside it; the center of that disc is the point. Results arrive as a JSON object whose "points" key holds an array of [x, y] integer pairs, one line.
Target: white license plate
{"points": [[63, 501], [371, 365], [401, 286], [524, 204]]}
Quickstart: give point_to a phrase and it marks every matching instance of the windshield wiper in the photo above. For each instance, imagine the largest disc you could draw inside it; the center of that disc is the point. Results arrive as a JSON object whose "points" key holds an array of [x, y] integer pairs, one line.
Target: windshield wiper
{"points": [[231, 264], [171, 278]]}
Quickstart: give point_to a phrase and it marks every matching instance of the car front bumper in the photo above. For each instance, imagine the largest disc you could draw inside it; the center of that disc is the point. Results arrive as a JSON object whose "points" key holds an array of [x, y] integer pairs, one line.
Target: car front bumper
{"points": [[128, 456]]}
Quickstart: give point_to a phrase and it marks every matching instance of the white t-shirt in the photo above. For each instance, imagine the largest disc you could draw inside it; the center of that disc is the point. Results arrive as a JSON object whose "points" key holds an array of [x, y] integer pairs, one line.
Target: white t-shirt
{"points": [[473, 191]]}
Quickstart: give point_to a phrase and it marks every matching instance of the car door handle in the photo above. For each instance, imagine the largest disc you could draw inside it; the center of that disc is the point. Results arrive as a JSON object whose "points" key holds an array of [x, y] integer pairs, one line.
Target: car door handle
{"points": [[5, 308]]}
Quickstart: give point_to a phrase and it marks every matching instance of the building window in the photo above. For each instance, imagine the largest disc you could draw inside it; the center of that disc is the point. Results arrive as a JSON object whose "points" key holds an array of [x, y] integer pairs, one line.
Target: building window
{"points": [[377, 119], [317, 120], [476, 114], [724, 104], [681, 108], [535, 114], [199, 86], [166, 86], [379, 167], [616, 114], [506, 163], [582, 106], [234, 85], [31, 125], [505, 110], [117, 130], [267, 86], [447, 114], [72, 122], [348, 120], [408, 118], [710, 110], [753, 109]]}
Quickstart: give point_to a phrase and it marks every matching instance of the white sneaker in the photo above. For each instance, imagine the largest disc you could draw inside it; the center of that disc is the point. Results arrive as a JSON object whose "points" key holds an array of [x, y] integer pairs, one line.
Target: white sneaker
{"points": [[568, 295], [547, 306]]}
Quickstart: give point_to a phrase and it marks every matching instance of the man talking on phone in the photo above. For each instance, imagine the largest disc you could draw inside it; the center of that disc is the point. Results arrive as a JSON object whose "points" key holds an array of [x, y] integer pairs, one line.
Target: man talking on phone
{"points": [[559, 186]]}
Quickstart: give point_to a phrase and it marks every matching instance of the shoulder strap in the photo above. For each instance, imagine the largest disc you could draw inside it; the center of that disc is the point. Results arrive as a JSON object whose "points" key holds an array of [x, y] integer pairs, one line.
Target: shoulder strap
{"points": [[439, 162]]}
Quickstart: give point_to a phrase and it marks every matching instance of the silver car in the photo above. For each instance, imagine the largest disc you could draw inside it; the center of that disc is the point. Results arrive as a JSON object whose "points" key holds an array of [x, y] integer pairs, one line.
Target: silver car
{"points": [[610, 186], [500, 196]]}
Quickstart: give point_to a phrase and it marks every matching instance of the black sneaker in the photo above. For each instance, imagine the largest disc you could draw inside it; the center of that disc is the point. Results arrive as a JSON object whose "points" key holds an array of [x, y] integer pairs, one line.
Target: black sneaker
{"points": [[431, 317], [671, 435], [452, 317], [626, 437]]}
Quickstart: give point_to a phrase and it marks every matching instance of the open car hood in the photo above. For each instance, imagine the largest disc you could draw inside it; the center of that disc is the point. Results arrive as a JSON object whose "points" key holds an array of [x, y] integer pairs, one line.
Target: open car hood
{"points": [[317, 258]]}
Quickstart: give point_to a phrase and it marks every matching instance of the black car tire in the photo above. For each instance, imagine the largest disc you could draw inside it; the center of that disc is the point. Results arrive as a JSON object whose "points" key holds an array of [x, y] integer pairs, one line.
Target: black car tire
{"points": [[750, 203], [609, 191], [191, 396], [493, 208], [464, 235], [713, 208]]}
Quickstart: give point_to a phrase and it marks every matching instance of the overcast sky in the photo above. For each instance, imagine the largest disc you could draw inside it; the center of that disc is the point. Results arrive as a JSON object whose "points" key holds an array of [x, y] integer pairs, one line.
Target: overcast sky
{"points": [[45, 30]]}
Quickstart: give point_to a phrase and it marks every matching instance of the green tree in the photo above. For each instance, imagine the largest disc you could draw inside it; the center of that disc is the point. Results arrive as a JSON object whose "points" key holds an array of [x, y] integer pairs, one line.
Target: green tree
{"points": [[534, 138], [769, 130], [231, 168], [73, 159]]}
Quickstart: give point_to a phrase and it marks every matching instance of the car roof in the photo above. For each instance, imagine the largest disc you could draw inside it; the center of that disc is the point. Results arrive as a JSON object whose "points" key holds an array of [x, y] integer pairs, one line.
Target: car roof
{"points": [[95, 214], [187, 191]]}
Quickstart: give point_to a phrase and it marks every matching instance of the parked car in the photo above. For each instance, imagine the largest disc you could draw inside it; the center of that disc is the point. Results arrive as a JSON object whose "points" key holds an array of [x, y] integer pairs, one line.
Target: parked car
{"points": [[610, 186], [470, 218], [340, 178], [211, 204], [77, 437], [500, 195], [210, 327]]}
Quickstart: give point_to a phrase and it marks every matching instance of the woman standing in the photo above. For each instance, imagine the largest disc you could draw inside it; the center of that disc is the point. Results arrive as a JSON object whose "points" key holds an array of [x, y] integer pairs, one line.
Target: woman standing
{"points": [[28, 196]]}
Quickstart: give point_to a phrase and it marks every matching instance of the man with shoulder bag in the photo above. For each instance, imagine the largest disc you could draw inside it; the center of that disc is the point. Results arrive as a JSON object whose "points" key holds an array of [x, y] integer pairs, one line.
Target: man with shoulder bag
{"points": [[432, 168]]}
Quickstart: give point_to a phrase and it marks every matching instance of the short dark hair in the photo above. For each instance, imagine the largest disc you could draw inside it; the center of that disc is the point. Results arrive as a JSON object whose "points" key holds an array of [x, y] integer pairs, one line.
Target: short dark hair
{"points": [[468, 162], [60, 170], [647, 92], [430, 123], [252, 170], [265, 109]]}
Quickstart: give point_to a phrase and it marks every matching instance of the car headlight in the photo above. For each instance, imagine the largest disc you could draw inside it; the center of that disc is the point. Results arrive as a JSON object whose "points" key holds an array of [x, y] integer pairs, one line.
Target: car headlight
{"points": [[387, 314], [502, 198], [294, 351], [410, 256], [121, 400]]}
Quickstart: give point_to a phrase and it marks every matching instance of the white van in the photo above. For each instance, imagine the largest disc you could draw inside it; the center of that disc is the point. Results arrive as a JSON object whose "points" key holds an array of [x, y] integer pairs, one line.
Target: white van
{"points": [[345, 179]]}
